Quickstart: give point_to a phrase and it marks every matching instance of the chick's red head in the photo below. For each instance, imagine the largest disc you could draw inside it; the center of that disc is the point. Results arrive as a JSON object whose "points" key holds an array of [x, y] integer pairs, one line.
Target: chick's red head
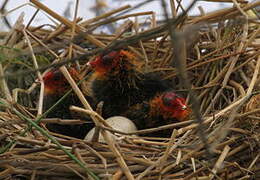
{"points": [[104, 63], [112, 61], [55, 83], [174, 106]]}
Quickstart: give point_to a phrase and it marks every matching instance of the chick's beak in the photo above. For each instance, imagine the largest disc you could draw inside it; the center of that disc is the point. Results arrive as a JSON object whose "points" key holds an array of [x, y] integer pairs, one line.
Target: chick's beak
{"points": [[182, 104], [93, 63], [89, 64]]}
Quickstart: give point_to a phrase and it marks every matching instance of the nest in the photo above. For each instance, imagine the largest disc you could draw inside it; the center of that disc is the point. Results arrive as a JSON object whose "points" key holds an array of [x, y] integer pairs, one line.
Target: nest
{"points": [[214, 58]]}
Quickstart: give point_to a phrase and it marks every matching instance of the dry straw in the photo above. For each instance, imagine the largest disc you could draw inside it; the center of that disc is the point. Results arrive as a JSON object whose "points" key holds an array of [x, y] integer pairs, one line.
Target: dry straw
{"points": [[214, 56]]}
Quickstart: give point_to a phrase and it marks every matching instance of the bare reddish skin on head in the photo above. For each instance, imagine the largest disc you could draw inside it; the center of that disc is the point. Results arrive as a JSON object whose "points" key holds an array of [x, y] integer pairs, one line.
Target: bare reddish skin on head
{"points": [[105, 63], [170, 105], [55, 83]]}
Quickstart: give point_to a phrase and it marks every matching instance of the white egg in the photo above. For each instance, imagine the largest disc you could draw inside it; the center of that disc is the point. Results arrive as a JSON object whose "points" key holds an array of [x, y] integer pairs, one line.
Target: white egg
{"points": [[119, 123]]}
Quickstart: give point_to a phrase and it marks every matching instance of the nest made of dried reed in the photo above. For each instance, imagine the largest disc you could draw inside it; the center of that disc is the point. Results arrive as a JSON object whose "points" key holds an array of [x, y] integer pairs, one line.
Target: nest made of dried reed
{"points": [[220, 52]]}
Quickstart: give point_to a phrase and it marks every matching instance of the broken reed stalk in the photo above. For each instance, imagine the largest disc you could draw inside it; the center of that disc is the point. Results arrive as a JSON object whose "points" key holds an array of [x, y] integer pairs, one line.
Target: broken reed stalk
{"points": [[66, 22]]}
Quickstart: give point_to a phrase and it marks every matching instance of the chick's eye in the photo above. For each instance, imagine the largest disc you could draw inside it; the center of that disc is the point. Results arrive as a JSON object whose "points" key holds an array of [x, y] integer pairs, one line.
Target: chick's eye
{"points": [[168, 101], [57, 76], [107, 59]]}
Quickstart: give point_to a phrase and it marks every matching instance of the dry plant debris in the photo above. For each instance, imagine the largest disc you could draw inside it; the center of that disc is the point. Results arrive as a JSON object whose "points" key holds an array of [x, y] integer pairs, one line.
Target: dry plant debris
{"points": [[214, 58]]}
